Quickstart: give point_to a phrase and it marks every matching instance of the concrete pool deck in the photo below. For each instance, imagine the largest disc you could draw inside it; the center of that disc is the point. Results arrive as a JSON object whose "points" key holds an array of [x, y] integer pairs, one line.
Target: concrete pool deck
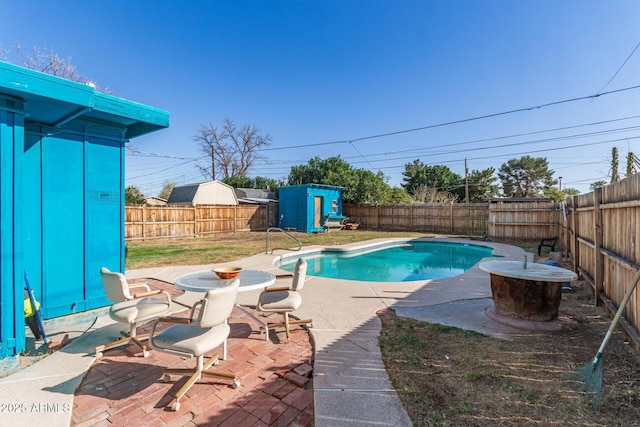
{"points": [[350, 384]]}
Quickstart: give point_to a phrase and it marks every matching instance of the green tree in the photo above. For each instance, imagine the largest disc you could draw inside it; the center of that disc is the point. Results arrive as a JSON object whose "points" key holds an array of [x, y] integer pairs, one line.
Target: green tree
{"points": [[367, 188], [319, 171], [133, 196], [597, 184], [526, 177], [397, 195], [361, 186], [556, 195], [257, 182], [167, 188], [438, 177], [239, 181], [482, 184]]}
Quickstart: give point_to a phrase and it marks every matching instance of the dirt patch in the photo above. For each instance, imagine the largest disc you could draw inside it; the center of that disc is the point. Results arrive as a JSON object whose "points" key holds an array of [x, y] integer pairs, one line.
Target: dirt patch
{"points": [[450, 377]]}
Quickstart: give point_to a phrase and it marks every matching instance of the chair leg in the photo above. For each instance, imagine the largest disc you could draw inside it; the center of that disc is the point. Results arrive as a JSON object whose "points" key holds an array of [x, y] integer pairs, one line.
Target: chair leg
{"points": [[224, 350], [131, 337], [201, 370], [287, 323]]}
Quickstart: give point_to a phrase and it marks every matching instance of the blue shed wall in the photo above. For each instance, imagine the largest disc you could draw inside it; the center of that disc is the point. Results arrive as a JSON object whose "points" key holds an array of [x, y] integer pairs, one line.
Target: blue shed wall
{"points": [[12, 334], [297, 206], [76, 223]]}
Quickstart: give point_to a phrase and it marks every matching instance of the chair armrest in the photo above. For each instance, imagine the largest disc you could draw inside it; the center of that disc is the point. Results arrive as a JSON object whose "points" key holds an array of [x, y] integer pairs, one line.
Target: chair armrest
{"points": [[174, 319], [278, 289], [166, 294], [140, 285], [165, 319], [148, 294]]}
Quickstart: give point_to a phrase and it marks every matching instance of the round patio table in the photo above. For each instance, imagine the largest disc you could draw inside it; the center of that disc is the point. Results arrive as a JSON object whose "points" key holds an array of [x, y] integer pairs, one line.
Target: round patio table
{"points": [[205, 280]]}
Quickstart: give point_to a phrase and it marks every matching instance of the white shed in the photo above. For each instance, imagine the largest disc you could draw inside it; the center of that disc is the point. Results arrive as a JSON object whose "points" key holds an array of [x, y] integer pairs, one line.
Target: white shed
{"points": [[204, 193]]}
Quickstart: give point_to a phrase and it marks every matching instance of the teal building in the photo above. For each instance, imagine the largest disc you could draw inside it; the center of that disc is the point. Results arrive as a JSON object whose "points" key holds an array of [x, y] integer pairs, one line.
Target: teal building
{"points": [[309, 207], [62, 151]]}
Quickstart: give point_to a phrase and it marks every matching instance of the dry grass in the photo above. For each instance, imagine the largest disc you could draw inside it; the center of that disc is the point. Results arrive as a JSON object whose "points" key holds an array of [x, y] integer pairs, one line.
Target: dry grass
{"points": [[449, 377]]}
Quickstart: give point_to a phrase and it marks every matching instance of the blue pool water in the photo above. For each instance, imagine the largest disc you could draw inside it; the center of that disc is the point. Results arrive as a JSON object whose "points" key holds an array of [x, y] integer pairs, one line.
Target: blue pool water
{"points": [[413, 260]]}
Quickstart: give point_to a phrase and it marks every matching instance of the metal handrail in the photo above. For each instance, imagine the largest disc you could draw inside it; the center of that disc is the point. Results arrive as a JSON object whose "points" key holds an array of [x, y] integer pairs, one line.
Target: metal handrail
{"points": [[285, 232]]}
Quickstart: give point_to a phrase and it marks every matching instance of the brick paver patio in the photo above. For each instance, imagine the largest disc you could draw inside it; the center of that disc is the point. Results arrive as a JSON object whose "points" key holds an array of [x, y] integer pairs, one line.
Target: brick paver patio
{"points": [[124, 389]]}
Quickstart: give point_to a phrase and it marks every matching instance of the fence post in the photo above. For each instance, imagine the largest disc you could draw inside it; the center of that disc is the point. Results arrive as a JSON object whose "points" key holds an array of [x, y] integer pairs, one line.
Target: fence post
{"points": [[411, 217], [451, 216], [144, 221], [599, 257], [576, 242]]}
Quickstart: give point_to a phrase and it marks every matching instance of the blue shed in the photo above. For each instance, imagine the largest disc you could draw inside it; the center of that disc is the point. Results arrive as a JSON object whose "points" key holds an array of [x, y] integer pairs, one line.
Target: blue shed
{"points": [[62, 147], [310, 207]]}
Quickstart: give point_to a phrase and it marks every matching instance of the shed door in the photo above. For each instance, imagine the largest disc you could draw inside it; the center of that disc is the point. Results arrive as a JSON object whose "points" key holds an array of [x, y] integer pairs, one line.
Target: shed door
{"points": [[317, 212]]}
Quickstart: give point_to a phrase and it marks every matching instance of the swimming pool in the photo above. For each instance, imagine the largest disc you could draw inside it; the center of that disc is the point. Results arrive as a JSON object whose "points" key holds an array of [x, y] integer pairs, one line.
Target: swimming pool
{"points": [[397, 262]]}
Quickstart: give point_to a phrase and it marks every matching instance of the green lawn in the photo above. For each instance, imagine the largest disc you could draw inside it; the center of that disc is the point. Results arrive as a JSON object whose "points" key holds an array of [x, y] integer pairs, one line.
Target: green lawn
{"points": [[226, 247]]}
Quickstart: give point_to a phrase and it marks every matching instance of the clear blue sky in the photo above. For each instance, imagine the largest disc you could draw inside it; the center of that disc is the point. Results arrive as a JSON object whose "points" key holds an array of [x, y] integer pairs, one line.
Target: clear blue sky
{"points": [[312, 72]]}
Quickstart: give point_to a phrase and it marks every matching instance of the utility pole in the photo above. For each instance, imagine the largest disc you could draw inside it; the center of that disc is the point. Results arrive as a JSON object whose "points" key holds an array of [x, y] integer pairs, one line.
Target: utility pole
{"points": [[560, 183]]}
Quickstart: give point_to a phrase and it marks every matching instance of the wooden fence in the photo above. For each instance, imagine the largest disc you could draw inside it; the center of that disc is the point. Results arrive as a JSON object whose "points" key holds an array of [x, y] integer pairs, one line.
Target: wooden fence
{"points": [[502, 220], [163, 222], [602, 238], [436, 218], [523, 221]]}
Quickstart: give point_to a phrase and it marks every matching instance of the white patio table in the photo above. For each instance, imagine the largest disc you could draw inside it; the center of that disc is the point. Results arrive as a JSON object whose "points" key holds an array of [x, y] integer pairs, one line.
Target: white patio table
{"points": [[202, 281], [205, 280]]}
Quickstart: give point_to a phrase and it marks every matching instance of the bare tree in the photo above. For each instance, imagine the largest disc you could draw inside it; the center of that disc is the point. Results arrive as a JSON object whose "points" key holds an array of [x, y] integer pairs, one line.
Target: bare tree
{"points": [[3, 53], [47, 61], [231, 151], [425, 194]]}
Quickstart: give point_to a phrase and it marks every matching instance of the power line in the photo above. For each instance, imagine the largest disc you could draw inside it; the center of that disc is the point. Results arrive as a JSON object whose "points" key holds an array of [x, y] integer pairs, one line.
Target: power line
{"points": [[426, 151], [514, 144], [361, 155], [304, 145], [137, 153], [620, 68], [486, 116]]}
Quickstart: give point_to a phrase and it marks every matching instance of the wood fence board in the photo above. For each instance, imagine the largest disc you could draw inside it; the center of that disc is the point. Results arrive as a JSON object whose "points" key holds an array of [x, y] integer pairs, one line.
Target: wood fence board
{"points": [[165, 222]]}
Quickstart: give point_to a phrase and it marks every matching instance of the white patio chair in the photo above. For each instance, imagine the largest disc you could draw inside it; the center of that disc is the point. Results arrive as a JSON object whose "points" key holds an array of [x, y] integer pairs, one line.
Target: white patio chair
{"points": [[284, 300], [205, 329], [134, 309]]}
